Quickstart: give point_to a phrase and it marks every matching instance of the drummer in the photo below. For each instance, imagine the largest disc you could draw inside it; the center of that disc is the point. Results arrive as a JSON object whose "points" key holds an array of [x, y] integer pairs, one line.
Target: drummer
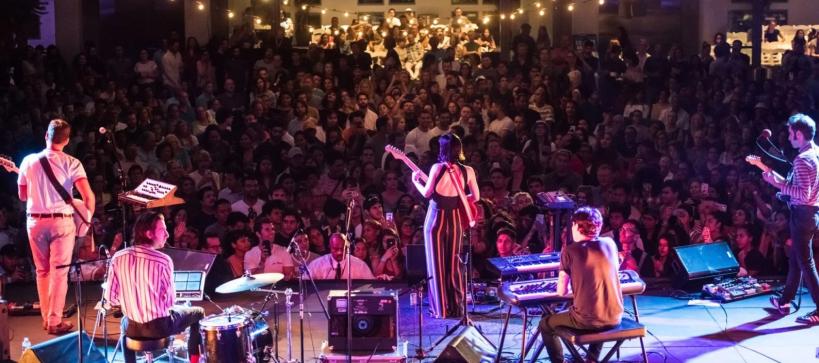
{"points": [[140, 281]]}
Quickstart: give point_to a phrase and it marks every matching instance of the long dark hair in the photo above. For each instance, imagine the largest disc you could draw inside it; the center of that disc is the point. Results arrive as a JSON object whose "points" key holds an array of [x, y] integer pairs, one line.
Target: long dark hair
{"points": [[450, 148]]}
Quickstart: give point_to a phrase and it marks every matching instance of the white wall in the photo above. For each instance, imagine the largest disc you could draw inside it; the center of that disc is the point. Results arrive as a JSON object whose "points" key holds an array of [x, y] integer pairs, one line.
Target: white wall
{"points": [[47, 27]]}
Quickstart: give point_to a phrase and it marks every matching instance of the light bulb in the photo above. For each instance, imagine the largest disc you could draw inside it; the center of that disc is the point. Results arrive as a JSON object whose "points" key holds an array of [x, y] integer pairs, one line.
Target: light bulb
{"points": [[537, 5], [541, 12], [602, 2], [512, 16], [304, 7], [571, 7], [346, 14], [324, 11], [503, 16], [200, 6], [520, 11], [230, 14]]}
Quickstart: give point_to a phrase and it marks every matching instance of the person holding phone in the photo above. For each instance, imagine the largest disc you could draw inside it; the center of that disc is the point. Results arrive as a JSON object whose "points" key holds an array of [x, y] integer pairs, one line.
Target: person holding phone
{"points": [[391, 261]]}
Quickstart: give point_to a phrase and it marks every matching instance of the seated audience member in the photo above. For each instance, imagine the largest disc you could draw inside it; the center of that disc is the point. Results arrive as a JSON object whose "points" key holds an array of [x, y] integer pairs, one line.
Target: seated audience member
{"points": [[239, 242], [12, 265], [302, 241], [390, 264], [334, 264], [661, 262], [220, 271], [631, 256], [506, 245], [746, 252], [268, 256]]}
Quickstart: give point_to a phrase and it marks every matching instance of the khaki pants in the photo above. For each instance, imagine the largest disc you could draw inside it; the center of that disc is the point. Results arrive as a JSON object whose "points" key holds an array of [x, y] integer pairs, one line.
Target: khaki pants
{"points": [[52, 243]]}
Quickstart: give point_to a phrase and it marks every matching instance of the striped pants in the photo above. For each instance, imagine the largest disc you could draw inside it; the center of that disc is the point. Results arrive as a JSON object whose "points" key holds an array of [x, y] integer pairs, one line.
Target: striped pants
{"points": [[443, 237]]}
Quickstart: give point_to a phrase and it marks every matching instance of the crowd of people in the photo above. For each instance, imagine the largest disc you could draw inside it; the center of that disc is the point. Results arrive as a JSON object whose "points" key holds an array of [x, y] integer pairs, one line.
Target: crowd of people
{"points": [[268, 145]]}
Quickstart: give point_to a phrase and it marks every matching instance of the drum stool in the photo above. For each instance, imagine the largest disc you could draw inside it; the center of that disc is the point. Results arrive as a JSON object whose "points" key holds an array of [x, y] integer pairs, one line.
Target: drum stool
{"points": [[148, 346]]}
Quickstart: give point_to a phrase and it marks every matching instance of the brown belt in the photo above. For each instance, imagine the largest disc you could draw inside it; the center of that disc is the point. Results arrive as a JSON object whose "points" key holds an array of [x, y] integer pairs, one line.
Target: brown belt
{"points": [[50, 215]]}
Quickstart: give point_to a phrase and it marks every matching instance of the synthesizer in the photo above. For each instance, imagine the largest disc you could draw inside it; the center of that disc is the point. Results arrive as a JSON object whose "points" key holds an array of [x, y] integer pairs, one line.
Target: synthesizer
{"points": [[535, 292], [525, 264], [151, 194], [555, 201]]}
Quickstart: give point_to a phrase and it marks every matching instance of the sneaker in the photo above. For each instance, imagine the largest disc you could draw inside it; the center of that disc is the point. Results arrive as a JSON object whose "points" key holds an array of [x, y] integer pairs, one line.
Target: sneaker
{"points": [[61, 328], [810, 318], [783, 309]]}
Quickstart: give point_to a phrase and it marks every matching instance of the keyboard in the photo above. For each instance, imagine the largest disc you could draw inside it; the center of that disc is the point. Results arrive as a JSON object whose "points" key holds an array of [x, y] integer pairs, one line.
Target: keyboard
{"points": [[535, 292], [554, 201], [525, 264]]}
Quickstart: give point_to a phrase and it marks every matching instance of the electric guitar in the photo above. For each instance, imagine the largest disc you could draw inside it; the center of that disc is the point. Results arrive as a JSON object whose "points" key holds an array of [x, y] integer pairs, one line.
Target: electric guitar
{"points": [[757, 161], [470, 207], [82, 217]]}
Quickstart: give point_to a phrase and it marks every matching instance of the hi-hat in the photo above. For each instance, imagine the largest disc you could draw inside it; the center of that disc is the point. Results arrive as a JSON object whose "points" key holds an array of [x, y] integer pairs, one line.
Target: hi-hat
{"points": [[249, 282]]}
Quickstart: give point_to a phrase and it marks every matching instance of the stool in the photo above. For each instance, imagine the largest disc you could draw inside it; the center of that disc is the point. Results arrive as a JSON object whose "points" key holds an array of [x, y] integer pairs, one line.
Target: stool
{"points": [[148, 346], [628, 329]]}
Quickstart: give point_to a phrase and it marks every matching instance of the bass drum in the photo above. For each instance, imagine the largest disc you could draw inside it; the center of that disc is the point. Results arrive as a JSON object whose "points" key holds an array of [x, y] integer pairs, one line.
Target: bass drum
{"points": [[227, 338]]}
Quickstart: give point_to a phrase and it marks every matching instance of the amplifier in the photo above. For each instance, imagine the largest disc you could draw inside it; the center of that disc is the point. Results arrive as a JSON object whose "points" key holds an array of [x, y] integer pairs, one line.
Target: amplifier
{"points": [[375, 320]]}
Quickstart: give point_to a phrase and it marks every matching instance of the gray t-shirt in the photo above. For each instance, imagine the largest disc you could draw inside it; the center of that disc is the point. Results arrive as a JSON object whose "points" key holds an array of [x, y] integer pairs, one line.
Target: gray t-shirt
{"points": [[592, 266]]}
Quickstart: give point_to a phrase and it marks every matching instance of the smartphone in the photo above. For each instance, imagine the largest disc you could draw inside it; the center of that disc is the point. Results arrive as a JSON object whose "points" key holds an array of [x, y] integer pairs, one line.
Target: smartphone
{"points": [[389, 217], [704, 188], [390, 242]]}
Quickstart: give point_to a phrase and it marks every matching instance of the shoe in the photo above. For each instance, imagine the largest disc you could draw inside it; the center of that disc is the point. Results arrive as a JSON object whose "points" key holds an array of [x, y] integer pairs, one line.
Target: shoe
{"points": [[61, 328], [810, 318], [783, 309]]}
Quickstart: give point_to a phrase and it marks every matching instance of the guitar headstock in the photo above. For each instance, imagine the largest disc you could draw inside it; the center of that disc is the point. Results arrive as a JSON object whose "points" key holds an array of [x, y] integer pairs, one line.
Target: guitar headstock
{"points": [[395, 152], [8, 164], [755, 160]]}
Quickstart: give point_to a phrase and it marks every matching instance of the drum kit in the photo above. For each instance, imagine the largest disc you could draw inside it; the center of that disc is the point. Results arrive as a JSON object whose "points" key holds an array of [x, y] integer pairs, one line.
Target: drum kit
{"points": [[242, 335]]}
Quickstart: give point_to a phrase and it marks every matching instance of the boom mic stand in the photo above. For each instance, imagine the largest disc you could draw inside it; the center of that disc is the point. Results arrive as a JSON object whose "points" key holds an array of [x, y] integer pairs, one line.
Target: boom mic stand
{"points": [[302, 272], [348, 245]]}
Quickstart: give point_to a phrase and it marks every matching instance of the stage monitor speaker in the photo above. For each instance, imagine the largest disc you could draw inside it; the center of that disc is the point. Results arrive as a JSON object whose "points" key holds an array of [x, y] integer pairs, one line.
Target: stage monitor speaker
{"points": [[693, 264], [62, 349], [469, 346], [375, 320], [5, 351]]}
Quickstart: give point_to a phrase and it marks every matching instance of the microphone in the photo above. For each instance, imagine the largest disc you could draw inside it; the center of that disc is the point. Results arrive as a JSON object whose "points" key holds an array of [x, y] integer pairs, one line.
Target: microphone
{"points": [[765, 135], [105, 251], [106, 133]]}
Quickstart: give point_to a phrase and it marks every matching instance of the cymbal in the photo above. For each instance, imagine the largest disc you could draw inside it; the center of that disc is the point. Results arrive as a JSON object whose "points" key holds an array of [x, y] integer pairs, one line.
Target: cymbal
{"points": [[249, 282]]}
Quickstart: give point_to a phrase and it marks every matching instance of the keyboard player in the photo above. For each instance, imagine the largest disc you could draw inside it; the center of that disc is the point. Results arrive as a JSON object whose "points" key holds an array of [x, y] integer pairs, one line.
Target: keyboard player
{"points": [[590, 266]]}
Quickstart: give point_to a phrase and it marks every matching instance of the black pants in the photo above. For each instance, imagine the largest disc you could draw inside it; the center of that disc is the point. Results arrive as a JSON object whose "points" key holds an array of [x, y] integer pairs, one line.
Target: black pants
{"points": [[177, 322], [548, 325], [803, 225]]}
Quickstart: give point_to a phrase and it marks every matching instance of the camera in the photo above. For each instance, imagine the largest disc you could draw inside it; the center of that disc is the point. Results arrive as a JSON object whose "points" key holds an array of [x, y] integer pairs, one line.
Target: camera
{"points": [[390, 242]]}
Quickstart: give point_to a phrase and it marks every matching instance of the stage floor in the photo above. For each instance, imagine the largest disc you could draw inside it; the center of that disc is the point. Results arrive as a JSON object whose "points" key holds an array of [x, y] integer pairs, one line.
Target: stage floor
{"points": [[741, 331]]}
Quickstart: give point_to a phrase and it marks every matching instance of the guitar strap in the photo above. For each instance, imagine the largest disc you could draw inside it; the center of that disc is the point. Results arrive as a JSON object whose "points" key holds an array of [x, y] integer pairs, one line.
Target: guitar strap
{"points": [[458, 185], [58, 187]]}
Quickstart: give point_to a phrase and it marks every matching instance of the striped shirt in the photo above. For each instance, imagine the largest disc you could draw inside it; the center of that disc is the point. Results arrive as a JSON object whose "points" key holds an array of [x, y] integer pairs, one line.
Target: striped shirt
{"points": [[801, 185], [141, 282]]}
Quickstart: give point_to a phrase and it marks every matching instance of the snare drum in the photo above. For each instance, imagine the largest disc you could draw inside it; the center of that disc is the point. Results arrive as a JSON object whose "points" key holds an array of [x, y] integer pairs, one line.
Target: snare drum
{"points": [[230, 338]]}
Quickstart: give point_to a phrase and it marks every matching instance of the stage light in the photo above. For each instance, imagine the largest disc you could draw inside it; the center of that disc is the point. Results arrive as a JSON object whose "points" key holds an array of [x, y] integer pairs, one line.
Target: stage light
{"points": [[304, 7], [486, 19], [537, 5], [512, 16], [520, 11], [346, 14], [503, 16], [285, 2], [571, 7], [257, 19], [200, 6], [602, 2], [230, 14], [541, 12]]}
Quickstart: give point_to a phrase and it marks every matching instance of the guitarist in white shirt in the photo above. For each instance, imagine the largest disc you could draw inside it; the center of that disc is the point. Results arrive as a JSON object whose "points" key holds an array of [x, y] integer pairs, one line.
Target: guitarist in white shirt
{"points": [[450, 213], [50, 223]]}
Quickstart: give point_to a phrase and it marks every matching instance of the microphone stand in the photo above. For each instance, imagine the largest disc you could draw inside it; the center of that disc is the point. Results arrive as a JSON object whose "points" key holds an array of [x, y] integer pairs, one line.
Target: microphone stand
{"points": [[123, 186], [299, 257], [78, 299], [349, 254], [103, 313]]}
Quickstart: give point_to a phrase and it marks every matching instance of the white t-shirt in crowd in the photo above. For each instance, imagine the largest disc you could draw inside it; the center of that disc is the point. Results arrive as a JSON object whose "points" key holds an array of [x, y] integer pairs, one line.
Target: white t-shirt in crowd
{"points": [[42, 197], [324, 268], [276, 262], [242, 207]]}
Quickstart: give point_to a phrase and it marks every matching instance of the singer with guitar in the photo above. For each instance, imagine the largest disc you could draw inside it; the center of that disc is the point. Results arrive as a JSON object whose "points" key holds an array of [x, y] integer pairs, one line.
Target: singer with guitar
{"points": [[450, 213], [802, 186], [45, 183]]}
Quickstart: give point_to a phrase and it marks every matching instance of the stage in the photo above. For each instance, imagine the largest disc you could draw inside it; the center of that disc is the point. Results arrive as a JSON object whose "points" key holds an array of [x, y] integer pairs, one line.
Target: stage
{"points": [[740, 331]]}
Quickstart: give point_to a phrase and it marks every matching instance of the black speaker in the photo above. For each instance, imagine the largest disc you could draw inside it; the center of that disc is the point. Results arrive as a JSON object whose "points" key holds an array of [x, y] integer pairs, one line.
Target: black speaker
{"points": [[693, 264], [375, 321], [62, 349], [469, 346]]}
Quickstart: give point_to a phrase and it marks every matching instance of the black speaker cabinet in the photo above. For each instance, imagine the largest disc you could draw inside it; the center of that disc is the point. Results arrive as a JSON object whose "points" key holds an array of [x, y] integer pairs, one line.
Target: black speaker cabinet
{"points": [[469, 346], [375, 320], [5, 351], [62, 349], [693, 264]]}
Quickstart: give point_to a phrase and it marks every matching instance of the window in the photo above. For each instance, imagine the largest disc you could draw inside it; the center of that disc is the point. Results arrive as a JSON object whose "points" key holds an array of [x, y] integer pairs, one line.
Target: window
{"points": [[370, 2], [402, 2], [464, 2]]}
